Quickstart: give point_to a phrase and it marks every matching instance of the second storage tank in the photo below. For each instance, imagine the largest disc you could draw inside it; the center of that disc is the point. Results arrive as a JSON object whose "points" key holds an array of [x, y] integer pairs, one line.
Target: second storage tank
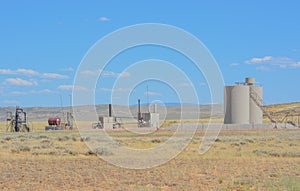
{"points": [[242, 103]]}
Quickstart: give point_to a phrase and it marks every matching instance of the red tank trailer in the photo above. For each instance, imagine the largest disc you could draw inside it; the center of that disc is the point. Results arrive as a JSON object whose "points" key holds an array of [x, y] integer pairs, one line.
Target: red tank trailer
{"points": [[54, 121]]}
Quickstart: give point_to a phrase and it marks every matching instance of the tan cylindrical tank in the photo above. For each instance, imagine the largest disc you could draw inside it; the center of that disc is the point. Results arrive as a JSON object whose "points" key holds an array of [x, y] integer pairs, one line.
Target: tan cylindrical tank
{"points": [[240, 105], [256, 113], [236, 105], [227, 104]]}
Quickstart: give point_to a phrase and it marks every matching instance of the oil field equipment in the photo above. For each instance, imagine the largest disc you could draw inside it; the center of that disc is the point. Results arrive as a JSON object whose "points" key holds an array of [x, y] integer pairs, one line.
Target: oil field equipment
{"points": [[69, 122], [107, 122], [54, 123], [148, 119], [17, 122], [243, 104]]}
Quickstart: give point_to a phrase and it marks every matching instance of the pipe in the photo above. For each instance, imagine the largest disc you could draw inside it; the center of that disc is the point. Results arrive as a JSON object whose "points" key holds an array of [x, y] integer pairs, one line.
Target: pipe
{"points": [[109, 110], [139, 109]]}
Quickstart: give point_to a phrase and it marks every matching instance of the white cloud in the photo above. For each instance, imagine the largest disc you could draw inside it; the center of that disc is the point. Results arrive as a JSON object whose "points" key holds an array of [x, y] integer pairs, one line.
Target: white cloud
{"points": [[19, 82], [65, 87], [108, 74], [115, 89], [190, 85], [6, 71], [152, 93], [43, 91], [259, 60], [296, 65], [186, 85], [124, 74], [27, 72], [30, 72], [17, 93], [268, 62], [54, 76], [71, 87], [104, 19], [234, 64], [90, 72]]}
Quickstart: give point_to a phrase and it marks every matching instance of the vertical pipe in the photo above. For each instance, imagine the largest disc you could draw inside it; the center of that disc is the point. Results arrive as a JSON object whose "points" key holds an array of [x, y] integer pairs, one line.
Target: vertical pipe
{"points": [[109, 110], [139, 109], [148, 99], [155, 108], [17, 120], [70, 103]]}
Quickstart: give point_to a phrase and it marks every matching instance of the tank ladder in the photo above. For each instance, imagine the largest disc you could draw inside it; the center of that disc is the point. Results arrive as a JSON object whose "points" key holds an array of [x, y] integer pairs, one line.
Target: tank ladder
{"points": [[259, 102]]}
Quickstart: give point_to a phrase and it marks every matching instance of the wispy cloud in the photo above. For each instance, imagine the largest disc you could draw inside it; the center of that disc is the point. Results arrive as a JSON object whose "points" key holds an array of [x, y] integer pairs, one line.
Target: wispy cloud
{"points": [[152, 93], [104, 19], [71, 87], [268, 62], [54, 76], [186, 85], [17, 93], [259, 60], [115, 89], [234, 64], [27, 72], [90, 72], [296, 65], [108, 74], [43, 91], [30, 73], [19, 82], [6, 71], [124, 74], [190, 85]]}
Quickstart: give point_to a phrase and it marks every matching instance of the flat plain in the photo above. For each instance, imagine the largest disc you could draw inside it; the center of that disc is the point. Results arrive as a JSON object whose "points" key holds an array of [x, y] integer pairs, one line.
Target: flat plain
{"points": [[238, 160]]}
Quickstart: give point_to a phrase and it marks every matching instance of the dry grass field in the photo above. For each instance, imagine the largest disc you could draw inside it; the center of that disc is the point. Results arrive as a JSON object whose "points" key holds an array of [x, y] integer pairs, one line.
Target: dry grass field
{"points": [[239, 160]]}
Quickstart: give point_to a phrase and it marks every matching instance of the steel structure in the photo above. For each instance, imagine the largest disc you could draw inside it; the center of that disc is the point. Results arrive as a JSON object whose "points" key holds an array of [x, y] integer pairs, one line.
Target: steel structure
{"points": [[17, 122]]}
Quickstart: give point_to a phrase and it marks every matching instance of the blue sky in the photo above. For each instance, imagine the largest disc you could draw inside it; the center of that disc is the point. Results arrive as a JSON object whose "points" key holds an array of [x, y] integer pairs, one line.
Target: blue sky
{"points": [[43, 42]]}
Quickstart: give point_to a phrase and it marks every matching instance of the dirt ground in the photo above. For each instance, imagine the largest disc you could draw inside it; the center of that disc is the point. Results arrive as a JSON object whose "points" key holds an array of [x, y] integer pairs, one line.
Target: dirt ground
{"points": [[239, 160]]}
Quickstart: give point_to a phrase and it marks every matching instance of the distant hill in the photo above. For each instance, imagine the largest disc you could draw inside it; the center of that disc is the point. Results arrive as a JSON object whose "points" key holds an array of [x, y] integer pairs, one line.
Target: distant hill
{"points": [[279, 112], [171, 111], [167, 104]]}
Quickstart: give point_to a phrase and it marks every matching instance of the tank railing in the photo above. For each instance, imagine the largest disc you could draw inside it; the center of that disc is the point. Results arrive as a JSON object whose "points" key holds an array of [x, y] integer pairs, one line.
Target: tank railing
{"points": [[259, 102], [294, 122]]}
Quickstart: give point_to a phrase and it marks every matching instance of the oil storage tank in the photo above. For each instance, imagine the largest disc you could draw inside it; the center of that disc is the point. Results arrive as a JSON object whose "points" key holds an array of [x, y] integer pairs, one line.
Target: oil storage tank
{"points": [[256, 113], [242, 103]]}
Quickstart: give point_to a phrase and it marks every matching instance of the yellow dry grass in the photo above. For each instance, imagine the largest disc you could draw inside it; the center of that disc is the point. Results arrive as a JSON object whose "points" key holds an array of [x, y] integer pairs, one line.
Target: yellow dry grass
{"points": [[239, 160]]}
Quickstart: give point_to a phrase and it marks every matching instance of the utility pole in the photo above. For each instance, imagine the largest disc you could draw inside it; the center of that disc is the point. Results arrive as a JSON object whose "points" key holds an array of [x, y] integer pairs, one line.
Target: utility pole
{"points": [[148, 99], [70, 103]]}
